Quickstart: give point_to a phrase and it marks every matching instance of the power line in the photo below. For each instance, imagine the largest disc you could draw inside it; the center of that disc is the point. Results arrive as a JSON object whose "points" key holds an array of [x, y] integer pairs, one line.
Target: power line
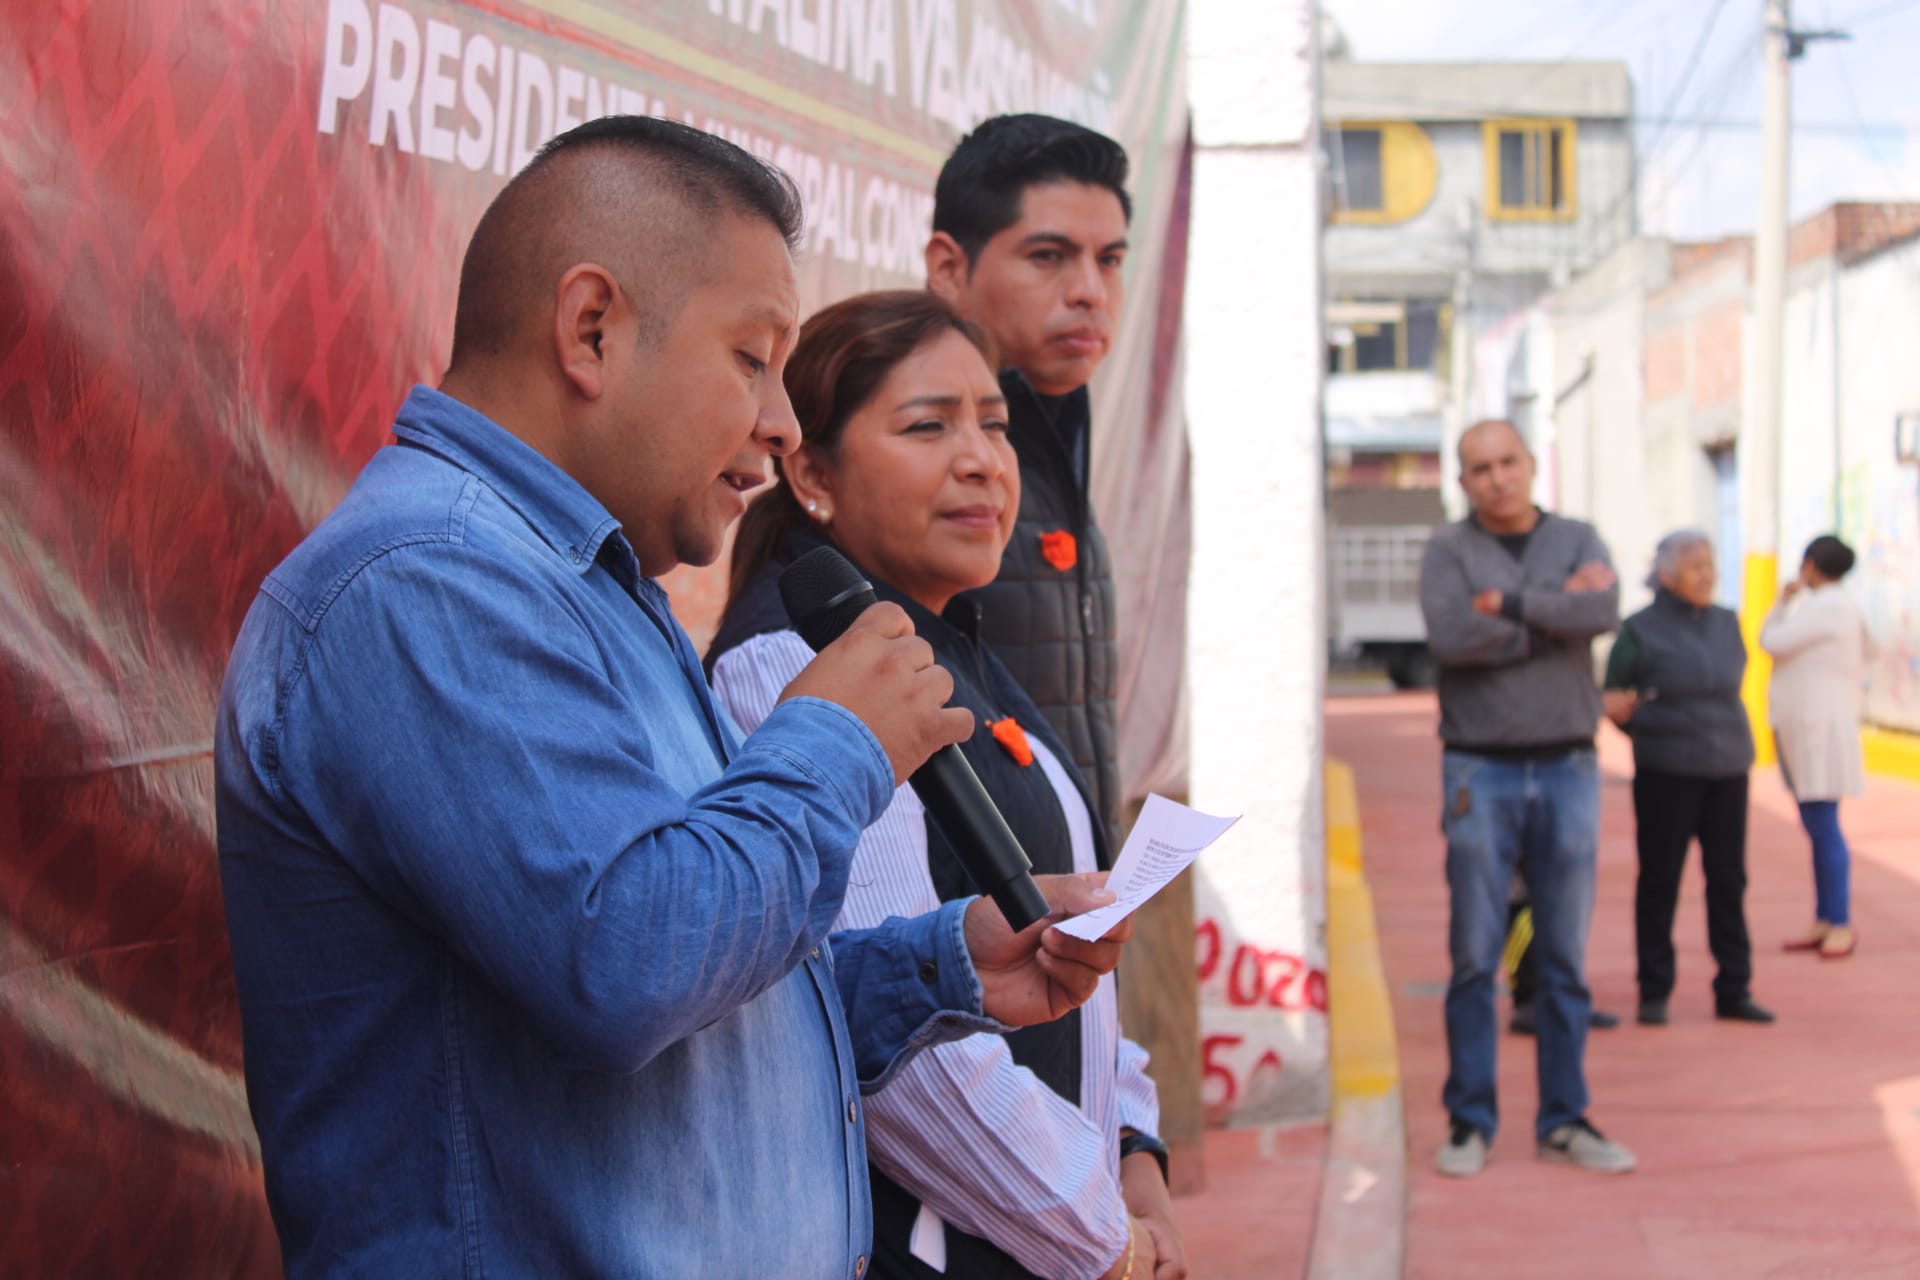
{"points": [[1686, 76], [1872, 15]]}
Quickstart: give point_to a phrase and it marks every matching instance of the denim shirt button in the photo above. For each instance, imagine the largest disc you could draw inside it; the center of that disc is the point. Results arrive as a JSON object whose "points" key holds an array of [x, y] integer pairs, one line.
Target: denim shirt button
{"points": [[929, 972], [853, 1113], [860, 1266], [814, 954]]}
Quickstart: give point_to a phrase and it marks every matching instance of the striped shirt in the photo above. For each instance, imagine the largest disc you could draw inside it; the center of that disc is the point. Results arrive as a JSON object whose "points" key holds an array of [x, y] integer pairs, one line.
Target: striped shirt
{"points": [[981, 1140]]}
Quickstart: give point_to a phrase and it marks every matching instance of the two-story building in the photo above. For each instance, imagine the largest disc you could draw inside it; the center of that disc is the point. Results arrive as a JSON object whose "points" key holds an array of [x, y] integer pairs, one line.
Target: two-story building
{"points": [[1458, 194]]}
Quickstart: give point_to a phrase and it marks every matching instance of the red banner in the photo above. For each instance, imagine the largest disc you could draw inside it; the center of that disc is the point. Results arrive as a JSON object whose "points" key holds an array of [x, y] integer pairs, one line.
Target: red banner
{"points": [[230, 234]]}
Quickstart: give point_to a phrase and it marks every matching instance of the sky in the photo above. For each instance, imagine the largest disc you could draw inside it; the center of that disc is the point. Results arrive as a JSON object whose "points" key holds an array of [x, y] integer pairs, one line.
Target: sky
{"points": [[1856, 111]]}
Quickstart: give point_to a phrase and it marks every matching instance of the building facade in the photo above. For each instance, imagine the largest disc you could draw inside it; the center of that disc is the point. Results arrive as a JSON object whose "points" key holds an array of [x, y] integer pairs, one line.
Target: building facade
{"points": [[1650, 386], [1458, 195]]}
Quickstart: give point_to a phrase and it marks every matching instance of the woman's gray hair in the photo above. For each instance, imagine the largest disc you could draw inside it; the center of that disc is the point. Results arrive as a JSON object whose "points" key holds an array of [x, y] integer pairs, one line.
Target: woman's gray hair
{"points": [[1668, 553]]}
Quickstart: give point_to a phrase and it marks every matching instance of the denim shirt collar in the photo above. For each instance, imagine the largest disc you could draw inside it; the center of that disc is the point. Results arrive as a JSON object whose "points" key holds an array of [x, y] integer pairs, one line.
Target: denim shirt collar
{"points": [[553, 503]]}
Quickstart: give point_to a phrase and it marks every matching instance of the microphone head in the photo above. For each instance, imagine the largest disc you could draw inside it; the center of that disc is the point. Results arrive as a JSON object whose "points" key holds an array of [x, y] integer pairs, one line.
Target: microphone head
{"points": [[823, 594]]}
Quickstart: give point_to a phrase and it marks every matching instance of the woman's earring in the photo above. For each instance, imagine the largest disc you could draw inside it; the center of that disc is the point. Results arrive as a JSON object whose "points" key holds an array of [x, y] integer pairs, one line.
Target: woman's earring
{"points": [[813, 508]]}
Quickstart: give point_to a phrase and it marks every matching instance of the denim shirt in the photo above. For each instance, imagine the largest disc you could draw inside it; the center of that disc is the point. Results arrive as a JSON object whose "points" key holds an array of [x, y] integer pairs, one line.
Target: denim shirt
{"points": [[532, 949]]}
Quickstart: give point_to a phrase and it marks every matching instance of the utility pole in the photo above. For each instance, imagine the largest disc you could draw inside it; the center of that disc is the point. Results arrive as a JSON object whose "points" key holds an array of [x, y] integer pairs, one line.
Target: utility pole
{"points": [[1759, 457], [1760, 433]]}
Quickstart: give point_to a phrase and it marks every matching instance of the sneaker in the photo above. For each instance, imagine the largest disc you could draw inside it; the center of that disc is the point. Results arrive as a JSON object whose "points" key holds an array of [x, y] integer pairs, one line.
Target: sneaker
{"points": [[1465, 1151], [1581, 1144]]}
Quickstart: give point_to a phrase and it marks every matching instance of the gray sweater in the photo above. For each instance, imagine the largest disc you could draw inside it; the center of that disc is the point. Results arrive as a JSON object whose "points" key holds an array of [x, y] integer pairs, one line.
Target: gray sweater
{"points": [[1523, 679]]}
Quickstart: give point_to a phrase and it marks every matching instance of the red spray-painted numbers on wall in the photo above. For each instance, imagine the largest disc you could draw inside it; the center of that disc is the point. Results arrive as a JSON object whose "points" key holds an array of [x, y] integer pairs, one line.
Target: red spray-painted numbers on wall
{"points": [[1257, 976]]}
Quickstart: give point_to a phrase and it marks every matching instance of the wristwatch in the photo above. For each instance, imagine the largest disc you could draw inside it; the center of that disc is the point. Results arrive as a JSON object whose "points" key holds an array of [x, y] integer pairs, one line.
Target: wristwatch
{"points": [[1134, 1143]]}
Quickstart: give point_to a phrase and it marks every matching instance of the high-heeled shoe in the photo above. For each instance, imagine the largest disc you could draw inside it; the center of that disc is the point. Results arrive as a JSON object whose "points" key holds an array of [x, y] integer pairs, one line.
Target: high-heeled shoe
{"points": [[1839, 943], [1813, 939]]}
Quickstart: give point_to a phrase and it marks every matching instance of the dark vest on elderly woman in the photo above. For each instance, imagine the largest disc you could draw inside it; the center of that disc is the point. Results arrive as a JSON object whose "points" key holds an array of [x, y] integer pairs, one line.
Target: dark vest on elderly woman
{"points": [[1687, 664], [1024, 797]]}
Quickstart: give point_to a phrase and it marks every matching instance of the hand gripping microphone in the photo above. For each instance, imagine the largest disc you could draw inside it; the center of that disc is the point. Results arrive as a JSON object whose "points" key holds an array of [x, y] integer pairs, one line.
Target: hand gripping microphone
{"points": [[824, 593]]}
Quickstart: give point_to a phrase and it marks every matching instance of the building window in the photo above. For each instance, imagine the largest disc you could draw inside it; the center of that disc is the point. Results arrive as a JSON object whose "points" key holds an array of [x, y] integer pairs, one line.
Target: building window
{"points": [[1530, 168], [1359, 186], [1379, 172], [1377, 337]]}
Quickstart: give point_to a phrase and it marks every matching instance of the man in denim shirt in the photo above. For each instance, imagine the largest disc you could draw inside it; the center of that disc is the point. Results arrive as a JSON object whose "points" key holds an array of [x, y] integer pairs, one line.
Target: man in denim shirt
{"points": [[531, 947]]}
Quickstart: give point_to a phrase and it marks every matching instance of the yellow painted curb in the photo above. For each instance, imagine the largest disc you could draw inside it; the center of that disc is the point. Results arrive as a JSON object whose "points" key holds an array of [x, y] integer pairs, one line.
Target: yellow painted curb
{"points": [[1365, 1058], [1897, 755]]}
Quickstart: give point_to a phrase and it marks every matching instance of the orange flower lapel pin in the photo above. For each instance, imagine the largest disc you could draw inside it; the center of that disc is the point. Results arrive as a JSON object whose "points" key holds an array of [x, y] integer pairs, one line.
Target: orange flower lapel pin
{"points": [[1013, 739], [1058, 549]]}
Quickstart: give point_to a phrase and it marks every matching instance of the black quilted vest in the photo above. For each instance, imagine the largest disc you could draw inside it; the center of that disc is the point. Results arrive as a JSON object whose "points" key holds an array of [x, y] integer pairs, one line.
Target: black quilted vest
{"points": [[1690, 722], [1053, 628], [1024, 797]]}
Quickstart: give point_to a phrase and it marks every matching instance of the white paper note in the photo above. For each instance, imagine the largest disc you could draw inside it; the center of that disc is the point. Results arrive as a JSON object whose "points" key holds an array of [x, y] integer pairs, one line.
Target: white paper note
{"points": [[1162, 844]]}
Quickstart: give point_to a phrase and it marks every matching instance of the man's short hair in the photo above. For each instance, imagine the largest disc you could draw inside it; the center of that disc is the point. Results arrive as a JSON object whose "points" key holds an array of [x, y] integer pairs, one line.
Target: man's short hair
{"points": [[706, 171], [1832, 557], [978, 193], [636, 193]]}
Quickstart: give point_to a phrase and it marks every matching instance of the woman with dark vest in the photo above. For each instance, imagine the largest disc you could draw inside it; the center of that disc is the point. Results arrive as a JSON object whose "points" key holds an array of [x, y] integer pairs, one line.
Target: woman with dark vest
{"points": [[991, 1156], [1673, 685]]}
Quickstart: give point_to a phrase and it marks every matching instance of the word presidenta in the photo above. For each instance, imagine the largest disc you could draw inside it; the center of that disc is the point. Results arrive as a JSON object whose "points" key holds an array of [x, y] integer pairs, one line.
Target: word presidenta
{"points": [[454, 96]]}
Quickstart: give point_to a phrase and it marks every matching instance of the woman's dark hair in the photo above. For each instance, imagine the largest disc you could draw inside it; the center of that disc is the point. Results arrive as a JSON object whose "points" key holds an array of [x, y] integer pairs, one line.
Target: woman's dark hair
{"points": [[844, 353], [1832, 557]]}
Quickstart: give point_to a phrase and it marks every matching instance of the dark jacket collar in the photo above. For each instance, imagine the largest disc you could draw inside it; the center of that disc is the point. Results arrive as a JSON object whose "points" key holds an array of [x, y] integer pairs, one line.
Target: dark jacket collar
{"points": [[1060, 425], [758, 608]]}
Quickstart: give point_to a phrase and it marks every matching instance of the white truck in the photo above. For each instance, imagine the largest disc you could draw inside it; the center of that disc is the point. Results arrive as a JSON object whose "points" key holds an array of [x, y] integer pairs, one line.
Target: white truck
{"points": [[1373, 600]]}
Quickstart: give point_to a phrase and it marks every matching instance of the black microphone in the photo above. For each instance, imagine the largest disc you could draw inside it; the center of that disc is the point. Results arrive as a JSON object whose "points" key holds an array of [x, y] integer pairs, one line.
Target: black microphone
{"points": [[824, 593]]}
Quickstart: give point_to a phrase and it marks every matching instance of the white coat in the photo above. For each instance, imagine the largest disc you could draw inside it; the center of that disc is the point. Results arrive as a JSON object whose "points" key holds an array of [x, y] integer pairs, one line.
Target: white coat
{"points": [[1820, 647]]}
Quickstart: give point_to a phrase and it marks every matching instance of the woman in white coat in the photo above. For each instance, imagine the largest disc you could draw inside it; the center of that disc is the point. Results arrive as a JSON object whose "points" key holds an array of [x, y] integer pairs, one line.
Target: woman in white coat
{"points": [[1820, 647]]}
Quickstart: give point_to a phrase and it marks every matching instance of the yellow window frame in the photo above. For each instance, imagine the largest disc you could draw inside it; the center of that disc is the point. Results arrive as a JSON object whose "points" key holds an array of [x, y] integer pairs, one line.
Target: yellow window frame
{"points": [[1408, 172], [1542, 131]]}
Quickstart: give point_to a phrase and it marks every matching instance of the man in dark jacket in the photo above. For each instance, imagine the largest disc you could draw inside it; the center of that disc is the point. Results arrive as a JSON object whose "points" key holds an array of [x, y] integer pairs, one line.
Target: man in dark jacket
{"points": [[1030, 221], [1029, 235]]}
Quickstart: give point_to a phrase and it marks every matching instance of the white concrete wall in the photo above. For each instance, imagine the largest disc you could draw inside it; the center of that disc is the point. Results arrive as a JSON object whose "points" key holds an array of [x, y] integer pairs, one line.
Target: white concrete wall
{"points": [[1603, 454], [1809, 410], [1257, 600], [1880, 497]]}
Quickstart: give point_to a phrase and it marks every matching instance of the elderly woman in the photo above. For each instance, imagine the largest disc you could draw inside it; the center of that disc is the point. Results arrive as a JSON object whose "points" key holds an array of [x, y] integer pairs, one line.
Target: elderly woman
{"points": [[1820, 647], [1673, 684], [1032, 1153]]}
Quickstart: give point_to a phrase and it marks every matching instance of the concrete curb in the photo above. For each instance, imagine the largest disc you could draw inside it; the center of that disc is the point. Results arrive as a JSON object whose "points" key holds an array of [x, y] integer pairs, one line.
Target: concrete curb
{"points": [[1360, 1227]]}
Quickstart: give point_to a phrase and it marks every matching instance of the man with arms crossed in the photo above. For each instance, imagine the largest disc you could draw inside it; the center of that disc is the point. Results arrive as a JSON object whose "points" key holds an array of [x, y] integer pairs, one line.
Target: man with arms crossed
{"points": [[531, 948], [1513, 598], [1029, 241]]}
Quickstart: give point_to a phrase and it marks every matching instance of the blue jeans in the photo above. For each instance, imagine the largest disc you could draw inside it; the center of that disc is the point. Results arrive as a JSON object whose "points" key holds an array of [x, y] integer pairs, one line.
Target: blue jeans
{"points": [[1831, 860], [1542, 816]]}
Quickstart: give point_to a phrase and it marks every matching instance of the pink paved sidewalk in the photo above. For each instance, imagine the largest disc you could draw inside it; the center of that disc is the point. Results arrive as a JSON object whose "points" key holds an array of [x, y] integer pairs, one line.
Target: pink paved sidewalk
{"points": [[1783, 1151], [1254, 1221]]}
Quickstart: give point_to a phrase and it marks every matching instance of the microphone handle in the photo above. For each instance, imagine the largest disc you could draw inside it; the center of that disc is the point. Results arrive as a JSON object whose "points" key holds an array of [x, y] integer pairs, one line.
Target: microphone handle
{"points": [[980, 837]]}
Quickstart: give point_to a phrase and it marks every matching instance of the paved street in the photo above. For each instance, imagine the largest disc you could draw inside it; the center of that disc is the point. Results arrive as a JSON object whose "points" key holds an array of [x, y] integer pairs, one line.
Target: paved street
{"points": [[1791, 1150]]}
